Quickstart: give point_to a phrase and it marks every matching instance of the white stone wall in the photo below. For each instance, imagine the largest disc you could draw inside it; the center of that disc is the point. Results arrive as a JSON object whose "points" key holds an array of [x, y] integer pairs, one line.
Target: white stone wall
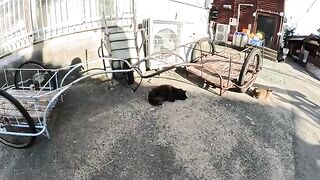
{"points": [[191, 13]]}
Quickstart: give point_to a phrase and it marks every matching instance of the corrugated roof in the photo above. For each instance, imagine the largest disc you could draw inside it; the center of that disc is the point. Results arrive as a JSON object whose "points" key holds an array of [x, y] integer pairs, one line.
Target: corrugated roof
{"points": [[312, 39]]}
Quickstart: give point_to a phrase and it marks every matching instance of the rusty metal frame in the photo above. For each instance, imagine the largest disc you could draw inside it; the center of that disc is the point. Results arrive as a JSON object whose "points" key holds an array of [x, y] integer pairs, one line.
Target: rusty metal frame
{"points": [[214, 72]]}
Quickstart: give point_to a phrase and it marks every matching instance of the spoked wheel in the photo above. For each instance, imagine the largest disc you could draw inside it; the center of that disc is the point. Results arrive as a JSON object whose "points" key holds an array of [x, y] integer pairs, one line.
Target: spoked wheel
{"points": [[251, 66], [202, 48], [15, 119], [32, 73]]}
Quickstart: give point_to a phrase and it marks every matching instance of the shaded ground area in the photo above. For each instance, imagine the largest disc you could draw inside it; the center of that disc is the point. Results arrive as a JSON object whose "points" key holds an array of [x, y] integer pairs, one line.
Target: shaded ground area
{"points": [[297, 87], [103, 133]]}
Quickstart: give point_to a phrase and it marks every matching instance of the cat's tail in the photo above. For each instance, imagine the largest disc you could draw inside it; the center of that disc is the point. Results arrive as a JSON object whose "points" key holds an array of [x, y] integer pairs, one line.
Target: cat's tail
{"points": [[155, 101]]}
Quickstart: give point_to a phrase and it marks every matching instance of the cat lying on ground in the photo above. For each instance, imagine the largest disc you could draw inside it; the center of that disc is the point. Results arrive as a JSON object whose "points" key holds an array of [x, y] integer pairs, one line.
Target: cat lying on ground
{"points": [[163, 93], [260, 93]]}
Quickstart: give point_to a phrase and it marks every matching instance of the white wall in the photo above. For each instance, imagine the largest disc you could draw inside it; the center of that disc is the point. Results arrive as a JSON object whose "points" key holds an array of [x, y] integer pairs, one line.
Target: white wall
{"points": [[195, 19], [303, 14]]}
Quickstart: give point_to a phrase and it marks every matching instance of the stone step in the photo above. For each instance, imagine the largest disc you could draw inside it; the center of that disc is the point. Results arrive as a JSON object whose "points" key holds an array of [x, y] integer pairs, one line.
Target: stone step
{"points": [[271, 58], [268, 50], [121, 36], [270, 54]]}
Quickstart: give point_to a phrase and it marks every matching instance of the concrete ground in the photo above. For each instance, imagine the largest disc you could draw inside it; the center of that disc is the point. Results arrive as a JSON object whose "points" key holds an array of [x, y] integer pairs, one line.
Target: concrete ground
{"points": [[106, 132]]}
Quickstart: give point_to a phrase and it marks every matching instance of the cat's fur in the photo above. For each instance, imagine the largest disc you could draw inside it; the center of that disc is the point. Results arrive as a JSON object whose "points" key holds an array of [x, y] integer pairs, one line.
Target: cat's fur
{"points": [[163, 93], [260, 93]]}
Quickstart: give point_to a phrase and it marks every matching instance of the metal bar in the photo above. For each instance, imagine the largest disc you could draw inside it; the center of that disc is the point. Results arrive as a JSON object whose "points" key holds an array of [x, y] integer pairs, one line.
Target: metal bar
{"points": [[90, 12], [56, 81], [36, 20], [229, 74], [67, 11], [116, 9], [17, 121], [61, 17], [109, 10], [103, 8], [14, 15], [25, 69], [9, 19], [19, 16], [1, 28], [24, 15], [48, 18], [21, 77], [31, 27], [43, 128], [41, 16], [46, 83], [84, 9], [189, 4], [4, 18], [39, 120], [5, 76], [55, 15]]}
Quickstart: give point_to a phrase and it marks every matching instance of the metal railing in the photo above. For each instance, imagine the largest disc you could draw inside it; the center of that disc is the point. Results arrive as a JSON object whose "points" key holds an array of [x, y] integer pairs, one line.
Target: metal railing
{"points": [[24, 22]]}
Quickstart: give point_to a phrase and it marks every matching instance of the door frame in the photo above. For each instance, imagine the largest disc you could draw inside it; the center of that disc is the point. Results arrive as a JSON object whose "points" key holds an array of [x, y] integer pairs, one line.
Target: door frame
{"points": [[273, 44]]}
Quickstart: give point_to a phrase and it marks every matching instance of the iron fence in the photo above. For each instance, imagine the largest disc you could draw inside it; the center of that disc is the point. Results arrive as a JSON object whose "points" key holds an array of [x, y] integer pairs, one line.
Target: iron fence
{"points": [[24, 22]]}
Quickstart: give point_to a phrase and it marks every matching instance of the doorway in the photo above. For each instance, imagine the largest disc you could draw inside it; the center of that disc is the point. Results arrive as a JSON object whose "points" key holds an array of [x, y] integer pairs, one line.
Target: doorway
{"points": [[267, 25]]}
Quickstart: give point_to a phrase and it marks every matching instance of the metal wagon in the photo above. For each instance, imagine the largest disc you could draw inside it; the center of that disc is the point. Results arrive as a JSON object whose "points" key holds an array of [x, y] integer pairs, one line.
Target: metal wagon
{"points": [[25, 101], [32, 91]]}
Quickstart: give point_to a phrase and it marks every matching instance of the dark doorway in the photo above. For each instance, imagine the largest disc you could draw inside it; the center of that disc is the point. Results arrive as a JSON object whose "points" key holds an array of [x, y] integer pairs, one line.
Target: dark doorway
{"points": [[267, 24]]}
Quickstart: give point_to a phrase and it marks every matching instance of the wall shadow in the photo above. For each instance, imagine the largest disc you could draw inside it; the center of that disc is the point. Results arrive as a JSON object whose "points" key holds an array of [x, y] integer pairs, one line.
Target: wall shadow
{"points": [[307, 159], [106, 132], [299, 100]]}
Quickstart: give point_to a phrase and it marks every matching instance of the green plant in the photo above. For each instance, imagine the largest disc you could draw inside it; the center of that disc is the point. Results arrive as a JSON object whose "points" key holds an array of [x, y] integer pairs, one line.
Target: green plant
{"points": [[289, 31]]}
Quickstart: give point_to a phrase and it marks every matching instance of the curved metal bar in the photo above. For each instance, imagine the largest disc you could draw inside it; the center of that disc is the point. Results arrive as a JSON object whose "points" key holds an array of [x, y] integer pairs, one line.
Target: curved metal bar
{"points": [[25, 134], [69, 72], [47, 83], [62, 90], [74, 67], [157, 53]]}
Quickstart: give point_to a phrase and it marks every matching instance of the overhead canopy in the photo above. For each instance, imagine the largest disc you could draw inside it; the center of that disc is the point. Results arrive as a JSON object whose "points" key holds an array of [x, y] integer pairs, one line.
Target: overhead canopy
{"points": [[311, 39]]}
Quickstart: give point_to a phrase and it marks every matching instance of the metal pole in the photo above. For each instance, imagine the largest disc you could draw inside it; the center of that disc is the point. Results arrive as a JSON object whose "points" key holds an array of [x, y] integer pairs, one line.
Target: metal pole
{"points": [[1, 28], [9, 16], [84, 9], [41, 16], [56, 17], [48, 20], [14, 15], [4, 19], [33, 18], [67, 11], [238, 17]]}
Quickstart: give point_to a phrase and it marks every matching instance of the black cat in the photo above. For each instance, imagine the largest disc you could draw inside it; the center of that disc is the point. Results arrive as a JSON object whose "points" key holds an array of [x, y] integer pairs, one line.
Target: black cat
{"points": [[165, 93]]}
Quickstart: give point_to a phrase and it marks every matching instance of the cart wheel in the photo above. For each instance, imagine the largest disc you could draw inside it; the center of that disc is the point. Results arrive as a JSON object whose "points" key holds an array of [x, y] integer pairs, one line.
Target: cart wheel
{"points": [[12, 113], [32, 73], [203, 47], [251, 66]]}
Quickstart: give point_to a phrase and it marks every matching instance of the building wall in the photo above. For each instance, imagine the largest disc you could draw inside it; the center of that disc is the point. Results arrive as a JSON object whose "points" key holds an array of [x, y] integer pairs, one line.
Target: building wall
{"points": [[262, 7], [189, 12], [246, 13]]}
